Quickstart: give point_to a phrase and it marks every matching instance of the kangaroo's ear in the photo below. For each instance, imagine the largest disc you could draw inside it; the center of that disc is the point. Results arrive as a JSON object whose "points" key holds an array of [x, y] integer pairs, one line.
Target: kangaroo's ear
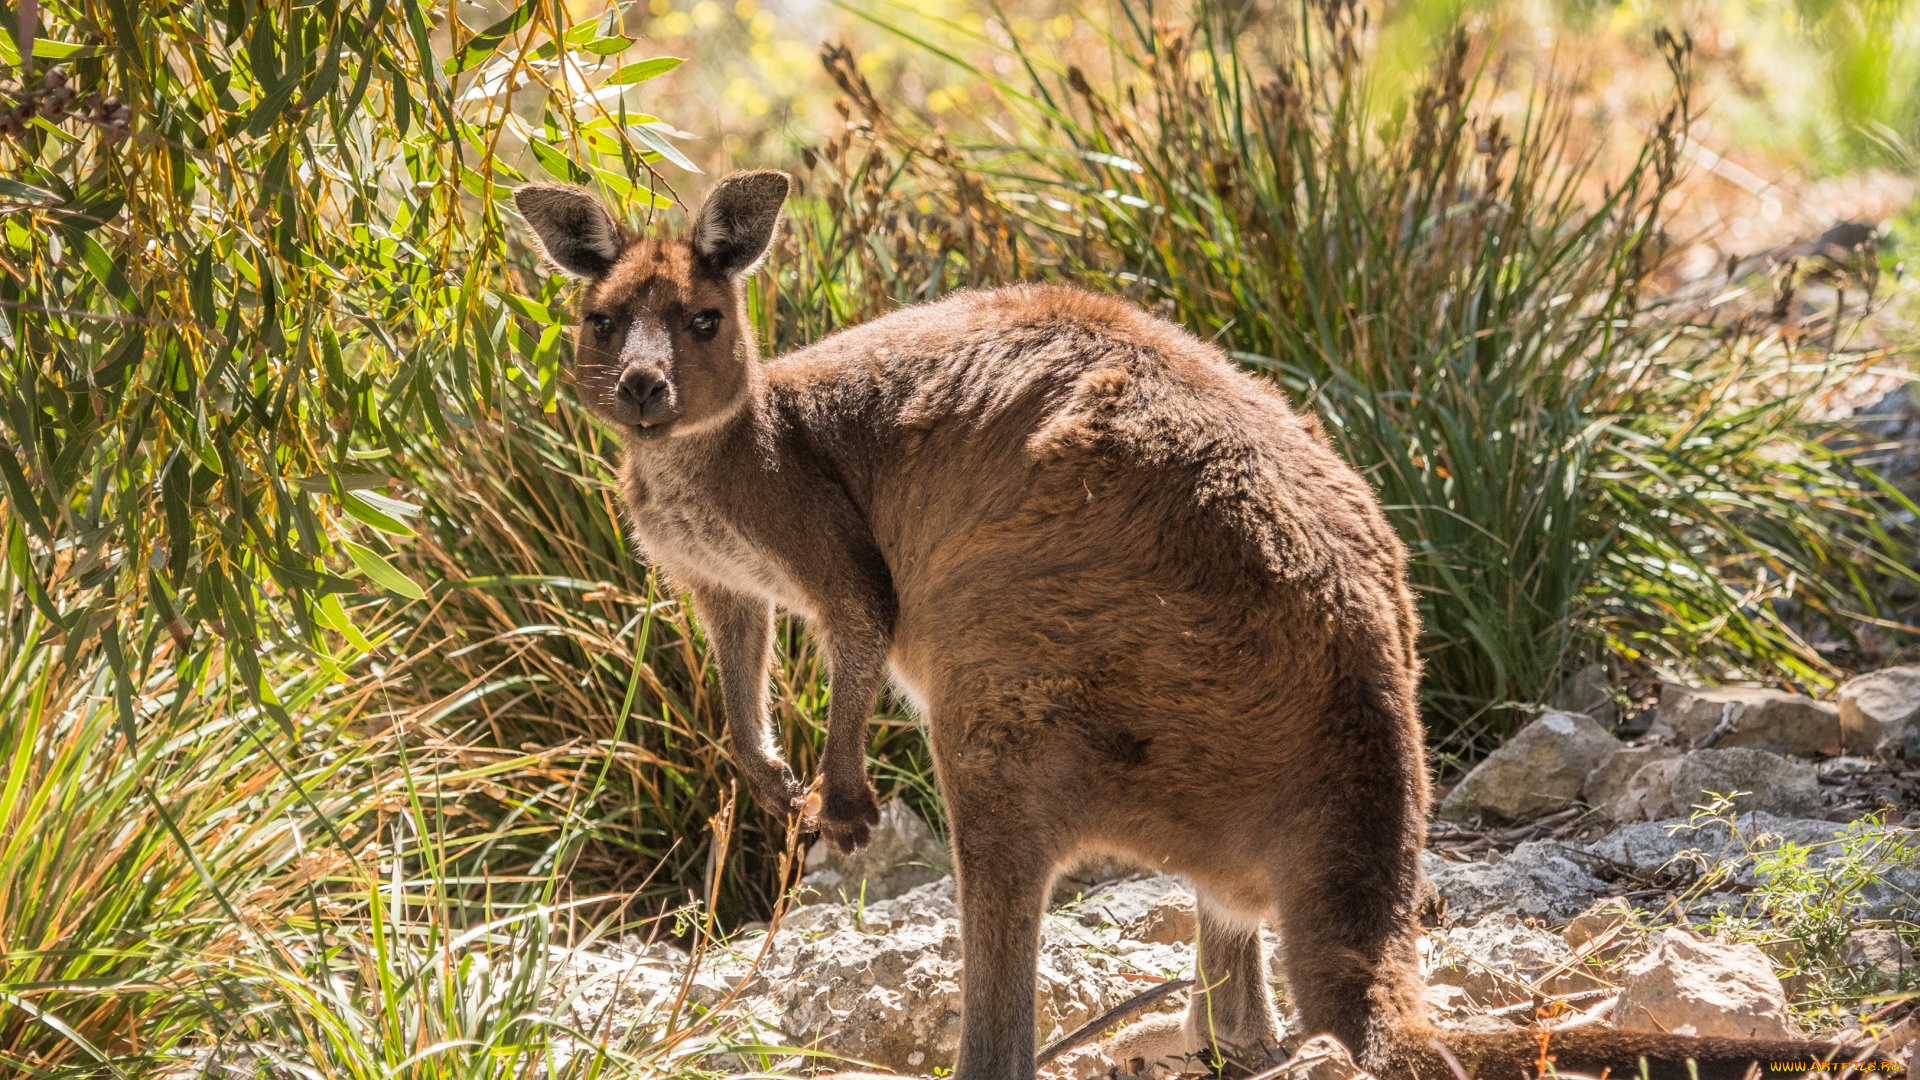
{"points": [[571, 227], [736, 223]]}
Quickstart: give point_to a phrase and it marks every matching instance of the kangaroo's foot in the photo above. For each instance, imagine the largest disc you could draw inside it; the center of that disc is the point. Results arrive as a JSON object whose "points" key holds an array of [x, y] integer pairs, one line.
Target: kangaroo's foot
{"points": [[1155, 1047], [1159, 1047]]}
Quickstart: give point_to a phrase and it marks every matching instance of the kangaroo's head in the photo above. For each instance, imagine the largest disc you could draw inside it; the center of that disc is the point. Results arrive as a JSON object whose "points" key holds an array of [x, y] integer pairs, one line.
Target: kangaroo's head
{"points": [[662, 345]]}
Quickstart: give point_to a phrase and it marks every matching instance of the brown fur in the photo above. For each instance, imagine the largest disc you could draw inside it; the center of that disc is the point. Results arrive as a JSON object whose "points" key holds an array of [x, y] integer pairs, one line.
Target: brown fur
{"points": [[1143, 606]]}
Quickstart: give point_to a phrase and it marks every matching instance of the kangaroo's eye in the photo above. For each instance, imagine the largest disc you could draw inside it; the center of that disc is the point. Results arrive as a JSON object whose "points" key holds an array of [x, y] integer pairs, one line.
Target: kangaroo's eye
{"points": [[705, 325], [602, 325]]}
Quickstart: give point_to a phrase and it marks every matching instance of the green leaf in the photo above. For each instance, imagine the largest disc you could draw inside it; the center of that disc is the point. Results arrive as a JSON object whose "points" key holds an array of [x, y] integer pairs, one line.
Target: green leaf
{"points": [[273, 104], [479, 188], [487, 40], [322, 484], [15, 189], [26, 502], [131, 347], [658, 199], [62, 50], [102, 266], [658, 143], [644, 70], [608, 46], [557, 164], [22, 564], [423, 41], [126, 27], [388, 505], [381, 572], [615, 182], [94, 212], [538, 312], [358, 507], [193, 435], [333, 613]]}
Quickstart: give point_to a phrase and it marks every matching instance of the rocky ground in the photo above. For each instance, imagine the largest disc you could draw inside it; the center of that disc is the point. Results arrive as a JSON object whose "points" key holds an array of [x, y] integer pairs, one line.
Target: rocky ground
{"points": [[1744, 865]]}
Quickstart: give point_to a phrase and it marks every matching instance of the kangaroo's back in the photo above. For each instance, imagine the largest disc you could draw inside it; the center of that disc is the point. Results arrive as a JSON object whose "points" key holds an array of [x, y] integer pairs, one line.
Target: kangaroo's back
{"points": [[1028, 431]]}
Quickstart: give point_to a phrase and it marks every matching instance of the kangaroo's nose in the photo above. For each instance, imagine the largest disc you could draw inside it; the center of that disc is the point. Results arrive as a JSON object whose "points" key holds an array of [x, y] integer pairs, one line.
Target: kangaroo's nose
{"points": [[639, 389]]}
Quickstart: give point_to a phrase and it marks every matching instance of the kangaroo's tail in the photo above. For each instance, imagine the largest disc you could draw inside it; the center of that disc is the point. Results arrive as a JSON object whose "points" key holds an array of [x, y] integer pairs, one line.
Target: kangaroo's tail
{"points": [[1626, 1055]]}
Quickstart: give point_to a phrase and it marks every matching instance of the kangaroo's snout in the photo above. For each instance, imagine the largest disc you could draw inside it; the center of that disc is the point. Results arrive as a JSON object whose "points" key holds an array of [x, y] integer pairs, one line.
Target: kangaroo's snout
{"points": [[645, 396], [639, 389]]}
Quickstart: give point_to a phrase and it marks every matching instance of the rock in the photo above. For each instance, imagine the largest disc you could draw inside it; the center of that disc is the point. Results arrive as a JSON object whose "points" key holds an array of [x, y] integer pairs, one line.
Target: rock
{"points": [[1789, 960], [1645, 847], [1601, 917], [1447, 998], [1899, 1042], [1104, 919], [1736, 716], [1877, 956], [1538, 771], [1503, 961], [1170, 921], [1589, 692], [881, 982], [1889, 885], [903, 855], [1880, 712], [1687, 986], [1771, 782], [1605, 788], [1648, 794], [622, 987], [1674, 787], [882, 998], [1322, 1057], [1538, 880], [1126, 903], [1892, 429]]}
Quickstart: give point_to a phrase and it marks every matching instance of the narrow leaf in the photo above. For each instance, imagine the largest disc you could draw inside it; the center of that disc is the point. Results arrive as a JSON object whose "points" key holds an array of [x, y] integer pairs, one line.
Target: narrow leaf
{"points": [[381, 572], [644, 70], [656, 142], [357, 507]]}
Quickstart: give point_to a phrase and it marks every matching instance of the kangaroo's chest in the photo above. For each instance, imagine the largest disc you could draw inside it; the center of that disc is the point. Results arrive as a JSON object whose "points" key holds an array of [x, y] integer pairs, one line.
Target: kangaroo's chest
{"points": [[684, 534]]}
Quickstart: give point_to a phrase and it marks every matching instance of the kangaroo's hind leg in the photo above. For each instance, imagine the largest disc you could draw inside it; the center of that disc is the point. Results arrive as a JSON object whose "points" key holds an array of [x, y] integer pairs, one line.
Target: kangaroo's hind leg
{"points": [[1230, 1024], [1002, 878], [1231, 1015], [1349, 915]]}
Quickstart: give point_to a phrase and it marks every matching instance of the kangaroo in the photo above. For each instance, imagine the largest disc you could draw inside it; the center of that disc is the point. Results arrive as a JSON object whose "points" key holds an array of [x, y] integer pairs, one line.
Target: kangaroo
{"points": [[1143, 607]]}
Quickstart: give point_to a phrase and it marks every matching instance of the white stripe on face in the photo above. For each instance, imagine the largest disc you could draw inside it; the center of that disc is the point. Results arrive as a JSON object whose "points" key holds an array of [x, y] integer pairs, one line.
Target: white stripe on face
{"points": [[647, 346]]}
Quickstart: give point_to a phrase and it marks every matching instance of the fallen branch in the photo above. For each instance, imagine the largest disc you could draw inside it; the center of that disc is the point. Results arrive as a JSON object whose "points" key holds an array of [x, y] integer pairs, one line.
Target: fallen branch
{"points": [[1124, 1011]]}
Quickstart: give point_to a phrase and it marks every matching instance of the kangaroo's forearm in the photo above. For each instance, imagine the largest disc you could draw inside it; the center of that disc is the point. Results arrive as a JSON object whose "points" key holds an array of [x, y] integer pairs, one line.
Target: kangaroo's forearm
{"points": [[855, 611], [741, 630], [858, 665], [858, 631]]}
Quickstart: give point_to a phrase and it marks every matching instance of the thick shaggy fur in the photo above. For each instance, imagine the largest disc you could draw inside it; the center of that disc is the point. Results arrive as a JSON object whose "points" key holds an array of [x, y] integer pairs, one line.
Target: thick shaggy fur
{"points": [[1143, 606]]}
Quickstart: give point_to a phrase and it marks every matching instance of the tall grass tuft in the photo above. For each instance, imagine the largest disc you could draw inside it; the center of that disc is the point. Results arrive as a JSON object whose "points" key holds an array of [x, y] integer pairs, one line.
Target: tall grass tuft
{"points": [[1582, 468], [195, 889]]}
